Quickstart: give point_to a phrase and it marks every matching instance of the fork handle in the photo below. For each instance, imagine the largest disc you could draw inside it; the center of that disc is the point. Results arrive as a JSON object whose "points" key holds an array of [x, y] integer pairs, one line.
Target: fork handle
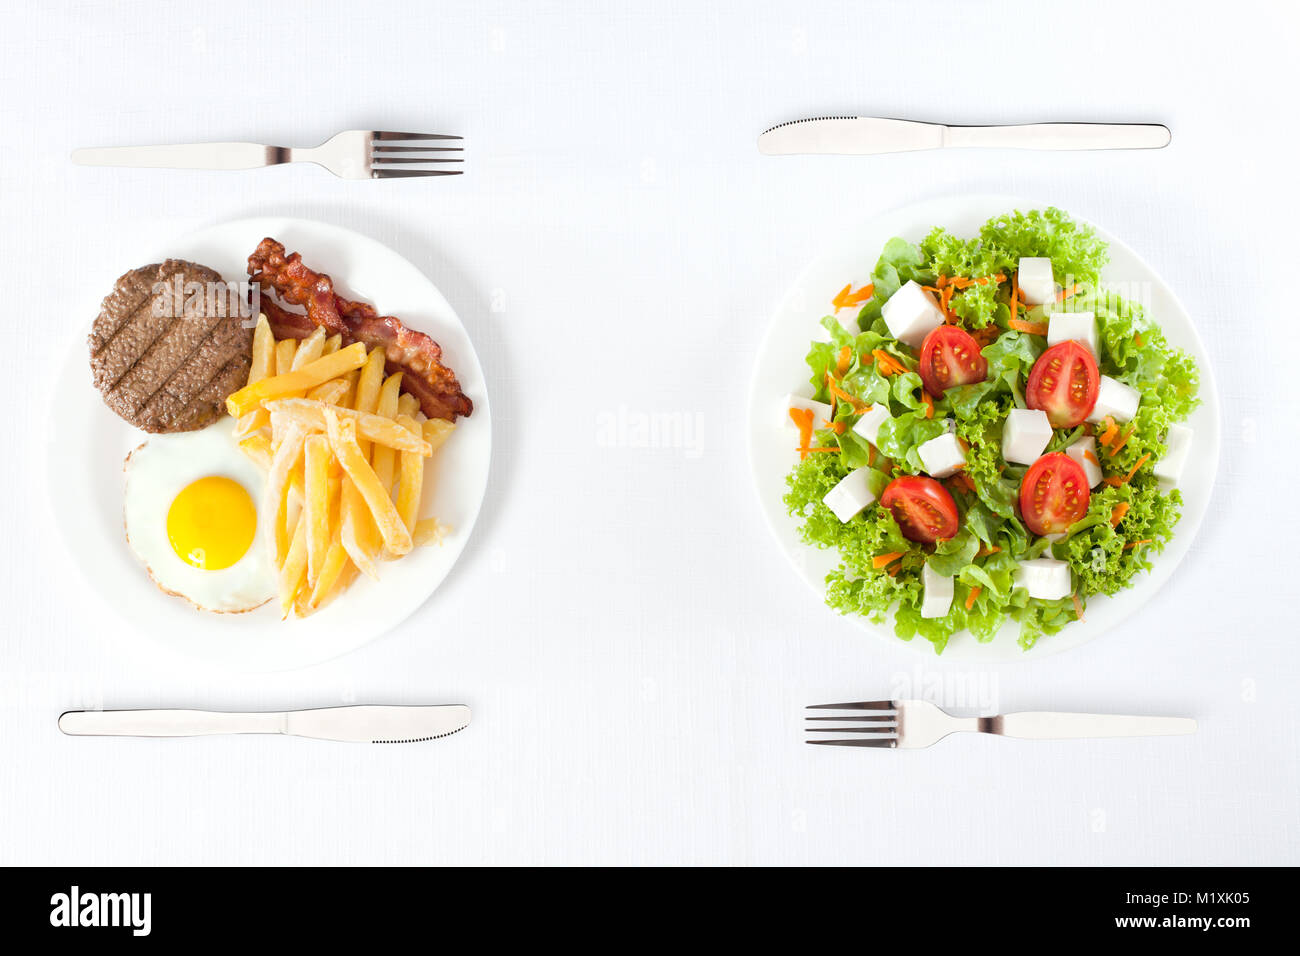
{"points": [[184, 156], [1049, 726]]}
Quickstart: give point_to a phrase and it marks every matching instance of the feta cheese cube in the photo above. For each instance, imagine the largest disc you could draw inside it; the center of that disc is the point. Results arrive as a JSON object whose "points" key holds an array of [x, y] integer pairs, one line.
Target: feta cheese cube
{"points": [[1034, 275], [868, 425], [821, 411], [937, 599], [911, 313], [1079, 327], [1084, 451], [1025, 434], [941, 456], [1044, 578], [1170, 467], [848, 498], [1115, 399], [848, 319]]}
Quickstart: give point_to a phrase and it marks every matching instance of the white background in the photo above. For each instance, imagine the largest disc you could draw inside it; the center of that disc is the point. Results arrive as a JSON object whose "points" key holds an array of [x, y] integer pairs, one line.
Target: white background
{"points": [[636, 649]]}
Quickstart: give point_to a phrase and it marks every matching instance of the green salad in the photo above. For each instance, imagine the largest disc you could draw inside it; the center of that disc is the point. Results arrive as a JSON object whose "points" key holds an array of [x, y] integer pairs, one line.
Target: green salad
{"points": [[989, 433]]}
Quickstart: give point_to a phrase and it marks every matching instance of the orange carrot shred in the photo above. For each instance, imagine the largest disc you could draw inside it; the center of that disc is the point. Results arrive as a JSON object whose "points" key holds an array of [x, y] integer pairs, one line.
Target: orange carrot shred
{"points": [[844, 361], [893, 572], [858, 405], [1078, 606], [1066, 293], [1118, 512], [1134, 544], [842, 297], [1089, 456], [986, 550], [1033, 328], [972, 596], [929, 403], [823, 449], [1106, 437], [880, 560], [1114, 449], [803, 420]]}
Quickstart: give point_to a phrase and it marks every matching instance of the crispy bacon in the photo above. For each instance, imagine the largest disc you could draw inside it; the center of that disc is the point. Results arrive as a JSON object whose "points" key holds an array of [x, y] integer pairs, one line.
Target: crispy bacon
{"points": [[413, 353]]}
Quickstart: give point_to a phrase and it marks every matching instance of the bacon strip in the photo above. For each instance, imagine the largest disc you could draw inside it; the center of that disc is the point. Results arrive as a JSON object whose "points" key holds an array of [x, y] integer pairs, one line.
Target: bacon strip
{"points": [[413, 353]]}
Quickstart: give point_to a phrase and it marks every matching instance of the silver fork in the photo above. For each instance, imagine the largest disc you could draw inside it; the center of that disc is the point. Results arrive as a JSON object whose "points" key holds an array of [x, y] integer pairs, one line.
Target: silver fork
{"points": [[352, 154], [912, 724]]}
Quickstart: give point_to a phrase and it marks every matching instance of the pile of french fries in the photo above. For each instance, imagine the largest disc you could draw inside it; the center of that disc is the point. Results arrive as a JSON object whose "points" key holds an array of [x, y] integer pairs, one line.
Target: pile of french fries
{"points": [[344, 450]]}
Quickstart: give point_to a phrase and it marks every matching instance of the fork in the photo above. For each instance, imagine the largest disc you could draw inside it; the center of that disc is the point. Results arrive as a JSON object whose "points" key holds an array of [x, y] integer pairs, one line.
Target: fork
{"points": [[352, 154], [912, 724]]}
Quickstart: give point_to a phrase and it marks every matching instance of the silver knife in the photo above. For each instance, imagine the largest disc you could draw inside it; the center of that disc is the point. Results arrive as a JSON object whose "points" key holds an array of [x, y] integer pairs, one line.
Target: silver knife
{"points": [[862, 135], [358, 724]]}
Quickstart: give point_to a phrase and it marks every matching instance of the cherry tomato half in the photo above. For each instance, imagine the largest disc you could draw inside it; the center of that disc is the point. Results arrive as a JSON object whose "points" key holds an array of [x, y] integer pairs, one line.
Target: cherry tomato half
{"points": [[1054, 494], [1064, 383], [950, 356], [924, 510]]}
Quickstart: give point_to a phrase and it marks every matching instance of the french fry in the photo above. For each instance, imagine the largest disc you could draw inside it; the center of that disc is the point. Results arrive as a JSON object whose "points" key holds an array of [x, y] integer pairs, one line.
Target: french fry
{"points": [[309, 349], [316, 503], [343, 439], [258, 448], [277, 483], [353, 535], [294, 572], [262, 365], [330, 393], [407, 405], [384, 459], [436, 431], [382, 431], [367, 393], [285, 350], [333, 343], [299, 380], [336, 558], [429, 531], [410, 478]]}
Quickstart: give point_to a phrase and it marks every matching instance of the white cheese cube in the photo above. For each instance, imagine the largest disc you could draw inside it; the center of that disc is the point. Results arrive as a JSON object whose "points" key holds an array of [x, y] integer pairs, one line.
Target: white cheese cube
{"points": [[1115, 399], [941, 456], [868, 425], [821, 411], [1170, 467], [1044, 578], [848, 319], [1025, 434], [1079, 327], [850, 496], [1084, 451], [1034, 276], [937, 599], [911, 313]]}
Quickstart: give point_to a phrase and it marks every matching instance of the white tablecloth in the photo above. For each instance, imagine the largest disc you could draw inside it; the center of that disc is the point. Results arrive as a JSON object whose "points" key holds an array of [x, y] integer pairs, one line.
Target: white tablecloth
{"points": [[636, 649]]}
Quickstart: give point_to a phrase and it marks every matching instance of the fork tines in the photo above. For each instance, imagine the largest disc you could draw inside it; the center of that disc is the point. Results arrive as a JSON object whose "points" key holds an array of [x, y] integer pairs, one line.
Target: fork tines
{"points": [[882, 732], [389, 161]]}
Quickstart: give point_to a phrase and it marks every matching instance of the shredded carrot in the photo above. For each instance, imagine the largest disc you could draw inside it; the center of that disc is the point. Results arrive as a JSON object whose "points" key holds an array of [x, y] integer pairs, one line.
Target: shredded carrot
{"points": [[893, 572], [871, 454], [1015, 294], [972, 596], [842, 297], [836, 427], [929, 403], [1078, 606], [965, 445], [846, 297], [880, 560], [1089, 456], [858, 405], [1033, 328], [1108, 435], [963, 480], [821, 449], [965, 282], [986, 550], [886, 363], [1137, 339], [1115, 481], [844, 360], [1117, 513], [945, 299], [1114, 449], [1066, 293], [1135, 544], [803, 420]]}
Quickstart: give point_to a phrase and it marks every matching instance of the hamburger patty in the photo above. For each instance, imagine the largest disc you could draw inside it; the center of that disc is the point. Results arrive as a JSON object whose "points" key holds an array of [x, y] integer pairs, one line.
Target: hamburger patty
{"points": [[163, 368]]}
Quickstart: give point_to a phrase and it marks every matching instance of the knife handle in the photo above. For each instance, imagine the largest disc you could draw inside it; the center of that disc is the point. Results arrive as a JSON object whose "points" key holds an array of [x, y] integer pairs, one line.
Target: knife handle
{"points": [[166, 723], [1058, 136], [182, 156], [1052, 726]]}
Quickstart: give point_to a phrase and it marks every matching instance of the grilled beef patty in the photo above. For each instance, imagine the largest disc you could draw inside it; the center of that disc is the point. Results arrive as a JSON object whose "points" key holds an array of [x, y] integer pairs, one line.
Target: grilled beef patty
{"points": [[161, 361]]}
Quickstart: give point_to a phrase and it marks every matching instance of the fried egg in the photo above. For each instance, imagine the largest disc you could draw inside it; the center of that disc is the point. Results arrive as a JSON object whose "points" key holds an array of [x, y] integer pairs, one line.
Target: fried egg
{"points": [[191, 517]]}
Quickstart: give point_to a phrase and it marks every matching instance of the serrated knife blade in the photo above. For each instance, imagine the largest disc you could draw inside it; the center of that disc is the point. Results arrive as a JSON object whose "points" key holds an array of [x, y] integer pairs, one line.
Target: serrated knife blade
{"points": [[865, 135], [380, 724]]}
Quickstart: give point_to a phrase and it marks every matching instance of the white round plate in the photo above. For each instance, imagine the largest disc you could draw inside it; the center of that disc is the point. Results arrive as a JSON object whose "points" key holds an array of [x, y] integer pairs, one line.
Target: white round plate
{"points": [[780, 370], [88, 443]]}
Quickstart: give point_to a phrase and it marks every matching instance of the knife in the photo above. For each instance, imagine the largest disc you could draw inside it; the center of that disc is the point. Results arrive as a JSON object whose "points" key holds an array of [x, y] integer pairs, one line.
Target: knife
{"points": [[861, 135], [358, 724]]}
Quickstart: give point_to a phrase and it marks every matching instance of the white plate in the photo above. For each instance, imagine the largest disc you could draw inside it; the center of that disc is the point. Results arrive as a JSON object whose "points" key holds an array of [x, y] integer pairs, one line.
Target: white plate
{"points": [[780, 369], [85, 464]]}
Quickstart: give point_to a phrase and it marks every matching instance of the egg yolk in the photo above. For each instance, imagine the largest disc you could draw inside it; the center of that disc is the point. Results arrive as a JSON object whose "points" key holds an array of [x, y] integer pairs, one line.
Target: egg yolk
{"points": [[211, 523]]}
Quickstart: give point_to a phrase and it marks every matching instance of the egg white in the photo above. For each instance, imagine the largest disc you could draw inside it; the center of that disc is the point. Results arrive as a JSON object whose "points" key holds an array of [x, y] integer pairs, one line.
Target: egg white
{"points": [[156, 473]]}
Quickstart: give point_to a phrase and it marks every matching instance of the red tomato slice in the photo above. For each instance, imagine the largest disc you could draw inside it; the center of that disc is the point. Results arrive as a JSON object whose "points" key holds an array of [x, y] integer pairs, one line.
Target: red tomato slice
{"points": [[1054, 494], [924, 510], [950, 356], [1064, 383]]}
